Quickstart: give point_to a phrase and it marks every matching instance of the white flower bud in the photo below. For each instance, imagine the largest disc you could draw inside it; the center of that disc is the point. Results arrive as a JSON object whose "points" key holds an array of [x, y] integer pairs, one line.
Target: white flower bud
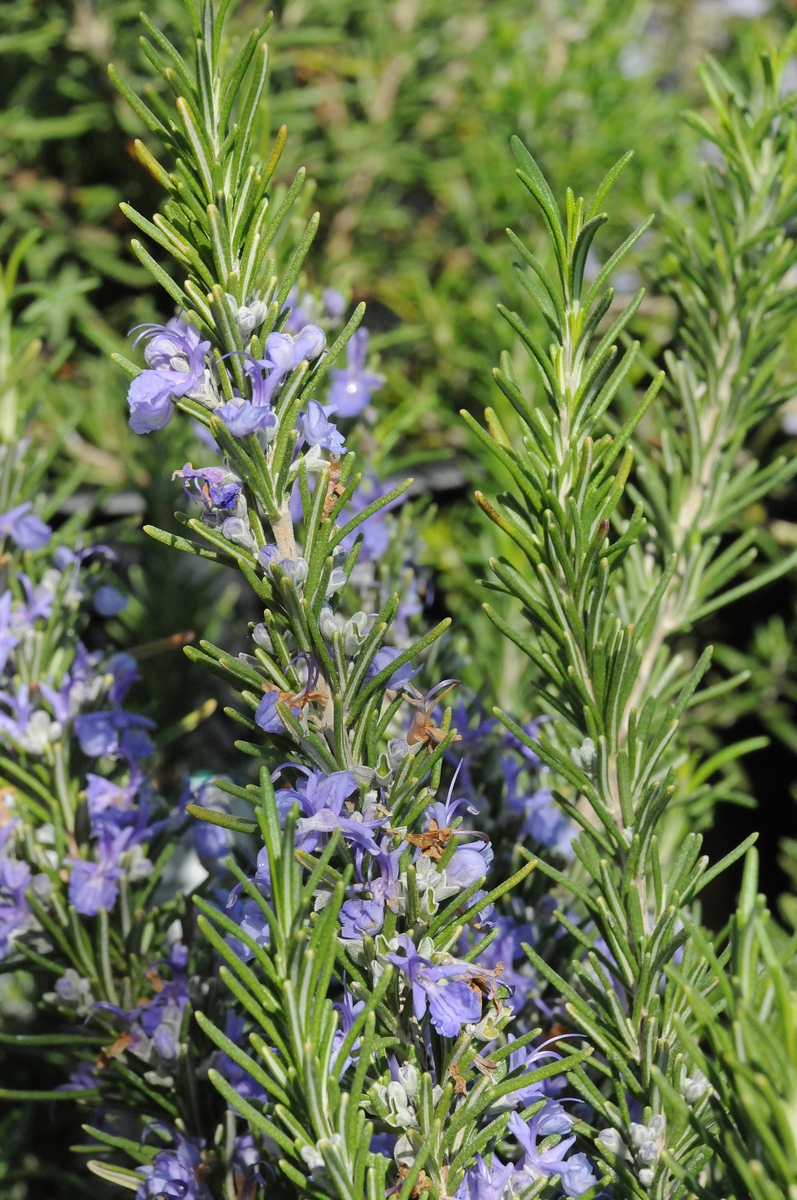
{"points": [[694, 1087], [584, 756], [262, 638], [611, 1139]]}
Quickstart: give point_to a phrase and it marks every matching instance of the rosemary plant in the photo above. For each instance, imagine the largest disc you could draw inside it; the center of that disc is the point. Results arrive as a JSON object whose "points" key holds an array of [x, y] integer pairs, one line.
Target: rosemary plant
{"points": [[373, 1023]]}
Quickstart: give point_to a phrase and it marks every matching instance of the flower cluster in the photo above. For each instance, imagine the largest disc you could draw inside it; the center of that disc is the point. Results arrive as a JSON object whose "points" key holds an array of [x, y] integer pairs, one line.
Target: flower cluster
{"points": [[50, 712], [179, 364]]}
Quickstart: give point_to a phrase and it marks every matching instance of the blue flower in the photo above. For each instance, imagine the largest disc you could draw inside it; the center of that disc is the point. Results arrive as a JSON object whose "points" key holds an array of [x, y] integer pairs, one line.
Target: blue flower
{"points": [[349, 1010], [211, 842], [8, 640], [577, 1175], [115, 734], [485, 1183], [469, 863], [79, 684], [14, 882], [93, 885], [374, 529], [386, 887], [284, 353], [383, 658], [351, 389], [215, 488], [267, 717], [28, 531], [452, 992], [242, 417], [81, 1079], [124, 671], [543, 820], [319, 430], [39, 600], [110, 804], [108, 601], [527, 1060], [241, 1080], [334, 303], [361, 918], [542, 1164], [176, 357], [174, 1174], [155, 1025], [507, 948], [249, 916], [322, 798]]}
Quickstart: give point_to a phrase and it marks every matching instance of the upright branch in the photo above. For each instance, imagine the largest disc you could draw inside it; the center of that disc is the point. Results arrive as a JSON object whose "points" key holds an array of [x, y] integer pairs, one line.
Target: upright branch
{"points": [[592, 625], [731, 284]]}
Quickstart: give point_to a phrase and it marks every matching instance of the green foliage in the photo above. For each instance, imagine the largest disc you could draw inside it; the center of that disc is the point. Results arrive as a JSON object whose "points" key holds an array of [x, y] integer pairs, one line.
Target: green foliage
{"points": [[747, 1058], [605, 588]]}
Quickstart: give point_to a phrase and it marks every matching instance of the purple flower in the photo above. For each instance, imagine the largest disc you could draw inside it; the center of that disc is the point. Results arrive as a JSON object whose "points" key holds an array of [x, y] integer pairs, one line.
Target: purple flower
{"points": [[527, 1060], [8, 640], [334, 303], [167, 1006], [469, 863], [80, 684], [349, 1010], [267, 717], [541, 1164], [374, 530], [176, 357], [351, 389], [14, 883], [507, 948], [93, 885], [543, 820], [240, 1079], [243, 417], [318, 430], [322, 798], [211, 843], [249, 916], [215, 488], [485, 1183], [361, 918], [387, 885], [27, 530], [173, 1174], [383, 658], [115, 734], [308, 344], [577, 1175], [19, 703], [39, 600], [284, 353], [168, 344], [122, 667], [109, 804], [446, 989], [301, 309], [83, 1078], [109, 601]]}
